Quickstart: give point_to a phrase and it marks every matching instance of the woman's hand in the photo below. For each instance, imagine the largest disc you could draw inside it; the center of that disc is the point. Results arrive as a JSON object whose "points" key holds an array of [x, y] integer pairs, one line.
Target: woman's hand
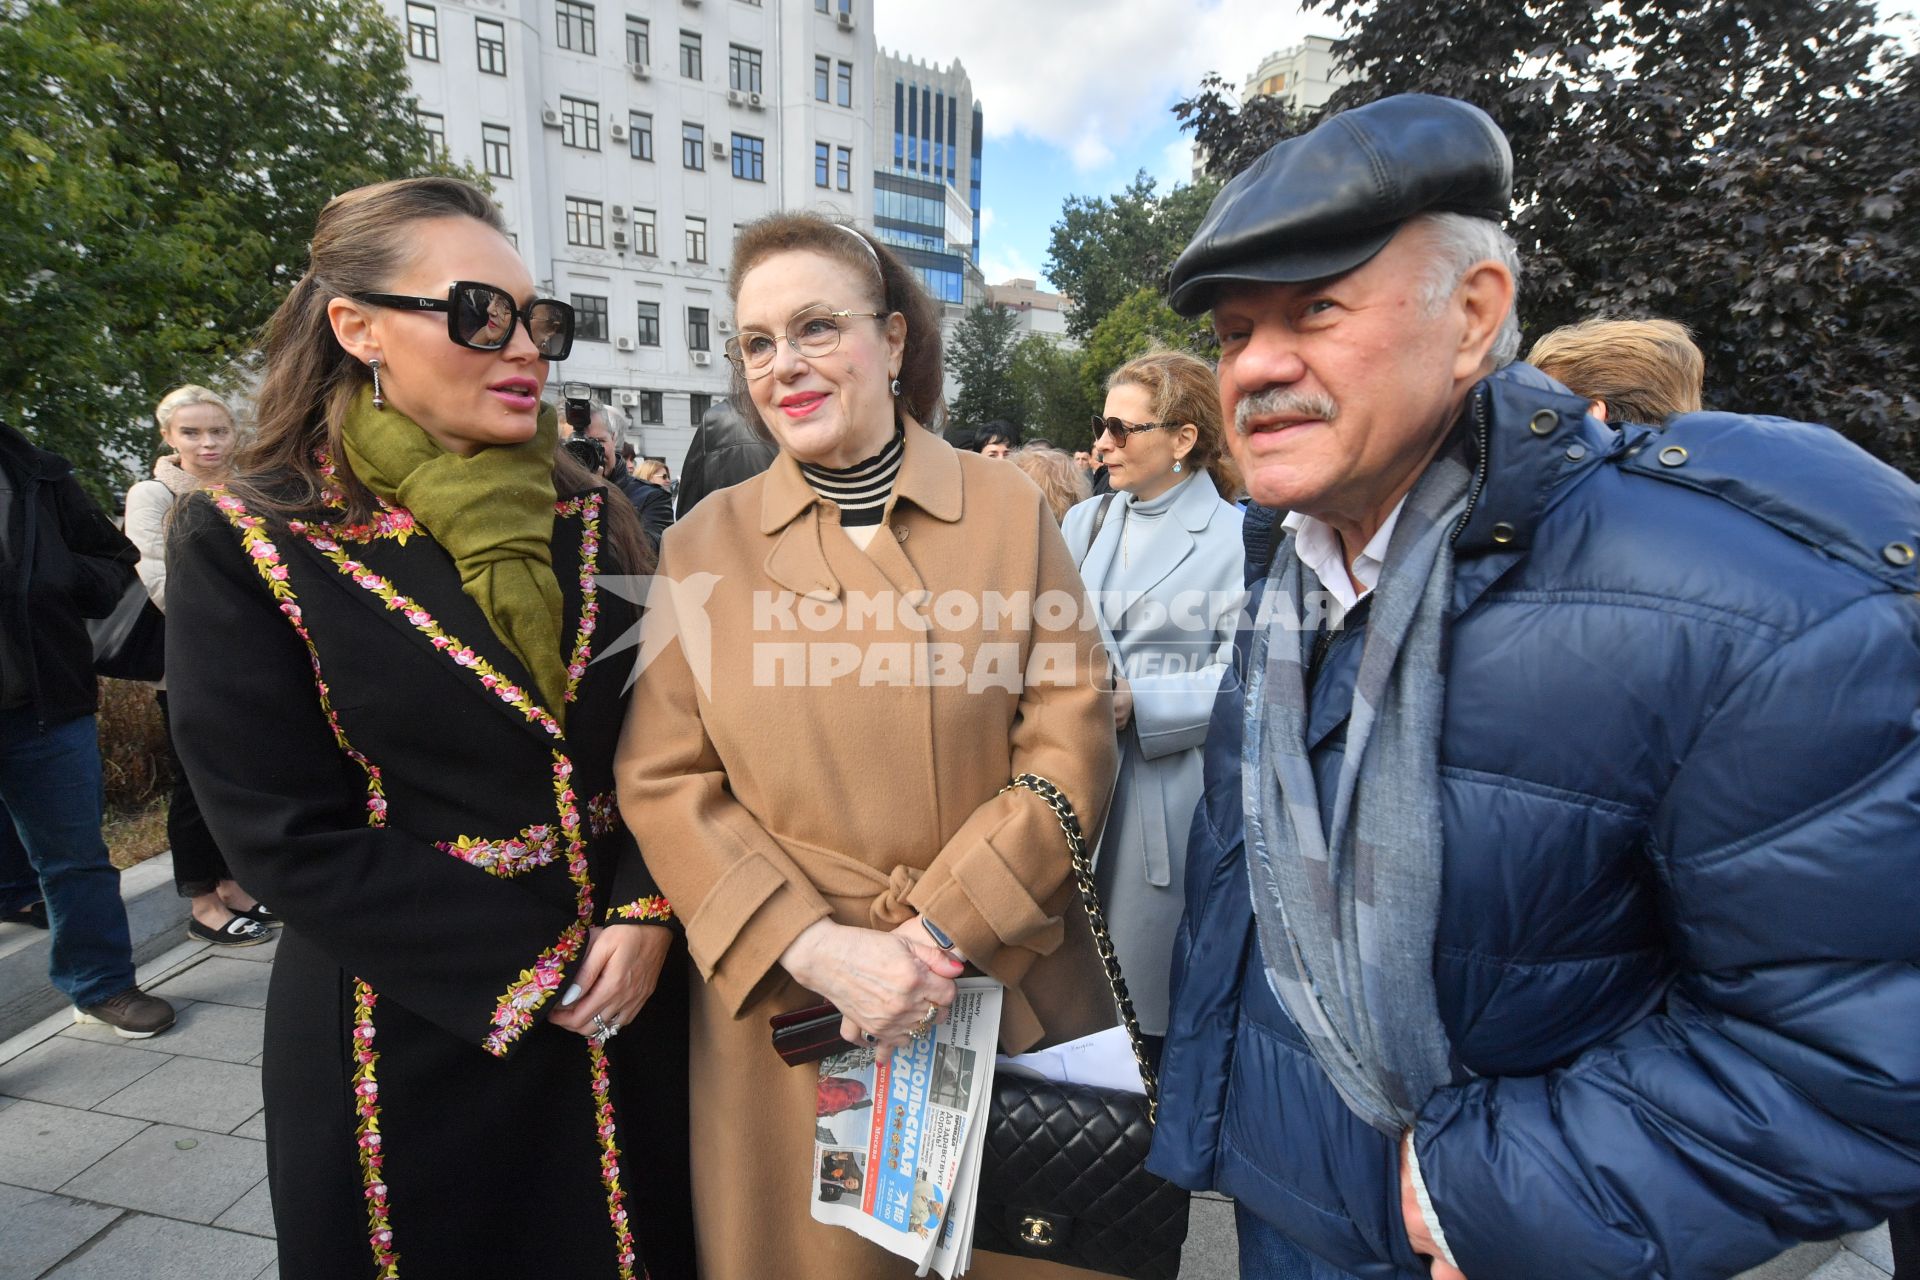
{"points": [[882, 983], [619, 974], [1122, 703]]}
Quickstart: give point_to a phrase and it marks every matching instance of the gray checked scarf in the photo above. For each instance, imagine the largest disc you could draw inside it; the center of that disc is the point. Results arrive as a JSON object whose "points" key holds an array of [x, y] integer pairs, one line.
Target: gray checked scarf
{"points": [[1348, 910]]}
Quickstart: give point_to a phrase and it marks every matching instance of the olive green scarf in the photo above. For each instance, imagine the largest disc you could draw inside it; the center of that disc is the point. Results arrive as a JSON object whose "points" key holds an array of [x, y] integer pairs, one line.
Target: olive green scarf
{"points": [[492, 512]]}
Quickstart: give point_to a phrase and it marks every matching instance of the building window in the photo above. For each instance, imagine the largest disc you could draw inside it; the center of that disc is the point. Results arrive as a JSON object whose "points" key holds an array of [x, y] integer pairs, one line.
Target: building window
{"points": [[490, 39], [690, 54], [743, 68], [423, 32], [496, 150], [843, 84], [649, 324], [822, 74], [821, 156], [846, 6], [820, 6], [699, 403], [653, 411], [643, 233], [640, 135], [586, 225], [589, 317], [436, 127], [639, 42], [696, 239], [843, 169], [580, 123], [697, 335], [573, 23], [693, 146], [749, 158]]}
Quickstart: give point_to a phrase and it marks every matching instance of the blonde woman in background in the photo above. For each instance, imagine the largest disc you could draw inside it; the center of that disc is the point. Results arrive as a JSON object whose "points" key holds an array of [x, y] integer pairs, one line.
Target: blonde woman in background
{"points": [[197, 426], [1061, 479]]}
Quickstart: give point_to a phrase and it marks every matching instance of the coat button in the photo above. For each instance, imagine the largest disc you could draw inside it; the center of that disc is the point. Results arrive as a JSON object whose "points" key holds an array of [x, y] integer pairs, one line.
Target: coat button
{"points": [[1575, 452], [1898, 553], [1673, 456], [899, 533], [1544, 422], [1503, 532]]}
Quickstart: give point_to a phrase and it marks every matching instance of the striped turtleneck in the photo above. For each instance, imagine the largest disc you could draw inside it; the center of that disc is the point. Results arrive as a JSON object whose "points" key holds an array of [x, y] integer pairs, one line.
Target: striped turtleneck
{"points": [[861, 490]]}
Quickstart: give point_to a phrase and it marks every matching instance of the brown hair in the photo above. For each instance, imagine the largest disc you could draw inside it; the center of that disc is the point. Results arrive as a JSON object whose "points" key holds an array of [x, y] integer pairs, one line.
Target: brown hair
{"points": [[888, 283], [362, 239], [1645, 370], [1184, 390], [1059, 477]]}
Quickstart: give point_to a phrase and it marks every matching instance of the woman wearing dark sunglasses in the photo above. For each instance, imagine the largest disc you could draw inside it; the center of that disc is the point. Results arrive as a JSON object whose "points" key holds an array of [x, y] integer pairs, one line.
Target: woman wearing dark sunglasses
{"points": [[1162, 557], [414, 758]]}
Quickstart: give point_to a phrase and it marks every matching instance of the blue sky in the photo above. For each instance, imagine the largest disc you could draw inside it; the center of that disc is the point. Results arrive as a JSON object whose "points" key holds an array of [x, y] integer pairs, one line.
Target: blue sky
{"points": [[1077, 94]]}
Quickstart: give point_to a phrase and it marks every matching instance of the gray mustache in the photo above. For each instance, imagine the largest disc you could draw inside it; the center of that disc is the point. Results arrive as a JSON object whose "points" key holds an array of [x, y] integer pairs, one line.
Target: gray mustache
{"points": [[1279, 401]]}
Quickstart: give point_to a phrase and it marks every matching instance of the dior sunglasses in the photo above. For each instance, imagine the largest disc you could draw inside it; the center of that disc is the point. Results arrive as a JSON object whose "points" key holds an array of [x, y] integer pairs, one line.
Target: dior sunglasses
{"points": [[481, 317]]}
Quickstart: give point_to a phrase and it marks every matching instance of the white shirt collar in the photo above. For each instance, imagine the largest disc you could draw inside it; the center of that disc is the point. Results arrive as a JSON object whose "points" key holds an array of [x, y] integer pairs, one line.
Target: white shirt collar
{"points": [[1318, 547]]}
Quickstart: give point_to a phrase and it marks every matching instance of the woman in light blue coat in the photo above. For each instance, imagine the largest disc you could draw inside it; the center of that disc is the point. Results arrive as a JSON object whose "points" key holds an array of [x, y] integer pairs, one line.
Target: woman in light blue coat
{"points": [[1162, 560]]}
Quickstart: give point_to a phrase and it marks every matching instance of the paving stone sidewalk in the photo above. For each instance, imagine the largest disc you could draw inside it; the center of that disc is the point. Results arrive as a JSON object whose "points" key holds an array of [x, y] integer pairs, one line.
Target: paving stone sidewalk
{"points": [[146, 1159]]}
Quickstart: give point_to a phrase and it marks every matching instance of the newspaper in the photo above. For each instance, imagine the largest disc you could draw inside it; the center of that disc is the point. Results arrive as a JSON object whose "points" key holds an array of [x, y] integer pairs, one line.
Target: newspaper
{"points": [[897, 1136]]}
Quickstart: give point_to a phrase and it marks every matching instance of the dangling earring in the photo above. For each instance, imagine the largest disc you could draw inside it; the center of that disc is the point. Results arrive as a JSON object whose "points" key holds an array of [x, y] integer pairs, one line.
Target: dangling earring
{"points": [[379, 401], [1176, 466], [894, 387]]}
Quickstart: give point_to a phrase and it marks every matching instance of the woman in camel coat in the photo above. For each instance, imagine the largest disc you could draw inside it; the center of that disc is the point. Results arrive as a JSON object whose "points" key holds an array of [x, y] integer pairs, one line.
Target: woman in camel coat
{"points": [[820, 773]]}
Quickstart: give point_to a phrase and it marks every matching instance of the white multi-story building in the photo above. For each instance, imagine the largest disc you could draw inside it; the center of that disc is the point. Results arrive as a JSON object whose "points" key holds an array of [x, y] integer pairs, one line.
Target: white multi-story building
{"points": [[625, 142], [1305, 75], [1035, 310]]}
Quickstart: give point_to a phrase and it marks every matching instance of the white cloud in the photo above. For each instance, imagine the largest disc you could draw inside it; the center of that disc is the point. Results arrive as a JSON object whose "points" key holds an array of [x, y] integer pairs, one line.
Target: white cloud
{"points": [[987, 219], [1005, 262], [1090, 76]]}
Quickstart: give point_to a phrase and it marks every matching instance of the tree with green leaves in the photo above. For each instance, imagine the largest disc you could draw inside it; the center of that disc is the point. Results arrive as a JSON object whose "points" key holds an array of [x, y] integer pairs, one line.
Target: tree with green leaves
{"points": [[161, 166], [980, 357], [1104, 249], [1055, 405], [1744, 166], [1142, 323]]}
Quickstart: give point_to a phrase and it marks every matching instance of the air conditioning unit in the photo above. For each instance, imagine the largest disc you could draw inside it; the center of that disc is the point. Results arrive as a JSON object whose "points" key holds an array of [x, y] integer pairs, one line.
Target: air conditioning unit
{"points": [[724, 326], [550, 117], [846, 20], [624, 344], [618, 133], [735, 97], [701, 357], [619, 211], [627, 399], [753, 100], [639, 71], [619, 239], [719, 149]]}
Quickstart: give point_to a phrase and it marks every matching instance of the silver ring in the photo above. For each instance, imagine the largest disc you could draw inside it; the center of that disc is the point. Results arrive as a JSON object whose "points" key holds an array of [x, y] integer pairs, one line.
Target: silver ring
{"points": [[600, 1025], [870, 1038]]}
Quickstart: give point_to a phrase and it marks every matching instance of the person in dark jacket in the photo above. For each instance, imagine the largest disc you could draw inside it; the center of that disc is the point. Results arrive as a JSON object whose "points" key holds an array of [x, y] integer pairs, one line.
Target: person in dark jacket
{"points": [[62, 562], [653, 503], [1582, 945], [725, 452]]}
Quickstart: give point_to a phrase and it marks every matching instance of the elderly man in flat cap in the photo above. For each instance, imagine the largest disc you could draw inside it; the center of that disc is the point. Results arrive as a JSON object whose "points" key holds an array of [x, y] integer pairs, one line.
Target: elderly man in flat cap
{"points": [[1553, 909]]}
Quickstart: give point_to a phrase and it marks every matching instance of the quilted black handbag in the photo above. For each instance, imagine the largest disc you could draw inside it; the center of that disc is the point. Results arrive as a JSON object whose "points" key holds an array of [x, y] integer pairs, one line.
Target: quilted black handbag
{"points": [[1063, 1174]]}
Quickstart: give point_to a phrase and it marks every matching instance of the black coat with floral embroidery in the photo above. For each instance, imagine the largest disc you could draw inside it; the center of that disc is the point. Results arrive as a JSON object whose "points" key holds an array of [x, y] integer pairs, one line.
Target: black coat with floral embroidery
{"points": [[378, 766]]}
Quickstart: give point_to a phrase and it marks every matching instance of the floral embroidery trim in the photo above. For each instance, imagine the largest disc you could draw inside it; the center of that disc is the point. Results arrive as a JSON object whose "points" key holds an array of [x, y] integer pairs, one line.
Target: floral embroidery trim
{"points": [[587, 507], [655, 908], [536, 846], [603, 813], [265, 557], [366, 1104], [388, 520], [513, 1014], [610, 1159]]}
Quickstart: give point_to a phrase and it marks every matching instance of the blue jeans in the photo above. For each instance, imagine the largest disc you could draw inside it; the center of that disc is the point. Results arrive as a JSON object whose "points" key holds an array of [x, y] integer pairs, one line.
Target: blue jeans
{"points": [[1265, 1254], [50, 786]]}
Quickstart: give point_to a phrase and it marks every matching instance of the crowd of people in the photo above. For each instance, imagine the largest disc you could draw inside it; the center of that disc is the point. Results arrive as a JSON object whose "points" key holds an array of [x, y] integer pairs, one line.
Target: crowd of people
{"points": [[1503, 776]]}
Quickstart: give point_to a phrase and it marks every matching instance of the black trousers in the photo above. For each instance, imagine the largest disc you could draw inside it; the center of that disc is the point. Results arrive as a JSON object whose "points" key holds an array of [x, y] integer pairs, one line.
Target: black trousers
{"points": [[198, 865], [1905, 1230]]}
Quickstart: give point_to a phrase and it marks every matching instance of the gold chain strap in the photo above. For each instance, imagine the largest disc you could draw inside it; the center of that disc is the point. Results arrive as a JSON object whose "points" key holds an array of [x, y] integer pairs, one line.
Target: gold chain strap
{"points": [[1097, 918]]}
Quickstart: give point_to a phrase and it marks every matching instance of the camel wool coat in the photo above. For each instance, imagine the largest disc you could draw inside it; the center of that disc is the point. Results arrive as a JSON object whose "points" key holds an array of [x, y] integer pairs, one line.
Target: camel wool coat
{"points": [[796, 750]]}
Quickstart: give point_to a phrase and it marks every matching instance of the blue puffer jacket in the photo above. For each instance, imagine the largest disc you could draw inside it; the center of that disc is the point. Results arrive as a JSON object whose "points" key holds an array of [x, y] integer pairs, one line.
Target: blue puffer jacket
{"points": [[1679, 946]]}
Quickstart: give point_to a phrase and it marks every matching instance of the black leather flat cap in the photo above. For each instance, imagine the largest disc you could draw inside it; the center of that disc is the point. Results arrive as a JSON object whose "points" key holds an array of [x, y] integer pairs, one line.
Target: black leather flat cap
{"points": [[1323, 203]]}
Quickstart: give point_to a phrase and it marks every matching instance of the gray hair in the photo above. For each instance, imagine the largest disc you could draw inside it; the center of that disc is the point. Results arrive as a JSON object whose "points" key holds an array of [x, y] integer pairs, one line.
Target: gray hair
{"points": [[180, 397], [1459, 242], [612, 417]]}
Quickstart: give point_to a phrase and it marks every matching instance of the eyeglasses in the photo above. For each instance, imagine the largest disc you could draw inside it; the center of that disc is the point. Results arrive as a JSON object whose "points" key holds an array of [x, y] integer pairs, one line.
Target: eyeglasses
{"points": [[481, 317], [1121, 429], [812, 333]]}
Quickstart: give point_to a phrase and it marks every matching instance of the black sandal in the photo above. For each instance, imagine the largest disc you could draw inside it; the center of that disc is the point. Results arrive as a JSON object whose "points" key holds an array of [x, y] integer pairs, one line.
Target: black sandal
{"points": [[259, 913], [240, 931]]}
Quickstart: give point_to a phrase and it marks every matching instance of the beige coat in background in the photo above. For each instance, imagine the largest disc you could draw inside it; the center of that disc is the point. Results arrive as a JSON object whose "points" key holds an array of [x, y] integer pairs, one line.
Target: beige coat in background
{"points": [[762, 808]]}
